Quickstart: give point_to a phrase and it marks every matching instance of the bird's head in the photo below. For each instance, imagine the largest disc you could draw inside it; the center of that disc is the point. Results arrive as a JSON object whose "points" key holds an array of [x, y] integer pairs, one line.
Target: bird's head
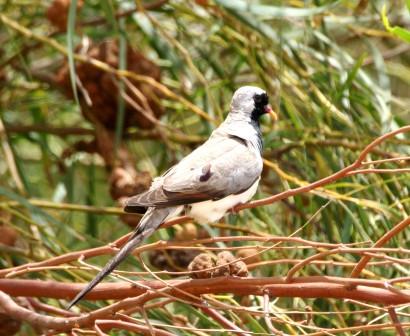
{"points": [[251, 102]]}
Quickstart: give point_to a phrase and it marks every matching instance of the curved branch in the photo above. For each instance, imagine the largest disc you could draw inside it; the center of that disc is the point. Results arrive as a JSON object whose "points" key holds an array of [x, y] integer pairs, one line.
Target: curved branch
{"points": [[112, 248], [384, 239], [329, 179], [111, 324], [277, 286], [304, 287]]}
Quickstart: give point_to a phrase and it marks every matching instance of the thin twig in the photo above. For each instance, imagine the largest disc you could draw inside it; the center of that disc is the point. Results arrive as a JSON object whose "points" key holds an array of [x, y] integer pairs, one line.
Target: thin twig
{"points": [[399, 328], [268, 321], [384, 239], [110, 324], [11, 162]]}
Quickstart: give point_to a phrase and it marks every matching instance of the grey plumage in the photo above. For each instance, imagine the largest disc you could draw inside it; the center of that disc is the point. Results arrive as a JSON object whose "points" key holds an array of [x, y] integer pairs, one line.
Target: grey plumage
{"points": [[215, 177], [182, 185]]}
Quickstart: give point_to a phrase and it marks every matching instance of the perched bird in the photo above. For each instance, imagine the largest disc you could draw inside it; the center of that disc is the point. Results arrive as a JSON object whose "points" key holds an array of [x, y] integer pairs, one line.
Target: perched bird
{"points": [[220, 174]]}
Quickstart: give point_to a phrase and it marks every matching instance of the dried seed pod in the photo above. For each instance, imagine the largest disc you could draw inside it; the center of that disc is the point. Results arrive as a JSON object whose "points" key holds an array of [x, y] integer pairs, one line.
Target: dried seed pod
{"points": [[125, 183], [102, 88], [186, 231], [222, 259], [8, 235], [239, 268], [57, 13], [201, 262], [250, 255], [228, 265], [172, 260]]}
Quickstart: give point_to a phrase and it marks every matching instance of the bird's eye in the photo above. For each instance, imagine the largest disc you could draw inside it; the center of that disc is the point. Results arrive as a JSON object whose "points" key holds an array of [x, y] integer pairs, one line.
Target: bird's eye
{"points": [[261, 100], [265, 99]]}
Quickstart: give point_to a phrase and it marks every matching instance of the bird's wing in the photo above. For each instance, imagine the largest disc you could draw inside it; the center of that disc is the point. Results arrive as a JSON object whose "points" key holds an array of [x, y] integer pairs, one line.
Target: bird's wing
{"points": [[222, 166]]}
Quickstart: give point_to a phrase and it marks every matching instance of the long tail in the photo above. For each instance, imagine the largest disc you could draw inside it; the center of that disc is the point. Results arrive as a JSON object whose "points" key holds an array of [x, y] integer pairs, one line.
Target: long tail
{"points": [[152, 219]]}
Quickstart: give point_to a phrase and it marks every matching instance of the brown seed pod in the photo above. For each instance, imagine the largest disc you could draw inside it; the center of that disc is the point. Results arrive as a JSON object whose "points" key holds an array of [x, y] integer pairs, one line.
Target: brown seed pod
{"points": [[8, 235], [221, 262], [102, 87], [201, 262], [124, 183], [172, 260], [250, 255], [227, 266], [186, 231], [57, 13]]}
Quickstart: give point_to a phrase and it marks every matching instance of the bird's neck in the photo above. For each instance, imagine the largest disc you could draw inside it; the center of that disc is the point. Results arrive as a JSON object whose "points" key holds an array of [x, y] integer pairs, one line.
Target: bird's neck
{"points": [[240, 116], [244, 128]]}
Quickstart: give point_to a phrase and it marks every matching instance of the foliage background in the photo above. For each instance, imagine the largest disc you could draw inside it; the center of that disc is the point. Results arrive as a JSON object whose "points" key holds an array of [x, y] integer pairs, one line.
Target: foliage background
{"points": [[337, 79]]}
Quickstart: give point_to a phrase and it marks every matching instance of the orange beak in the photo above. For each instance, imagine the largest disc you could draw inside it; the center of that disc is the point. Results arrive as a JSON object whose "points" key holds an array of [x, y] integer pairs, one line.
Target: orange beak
{"points": [[271, 112]]}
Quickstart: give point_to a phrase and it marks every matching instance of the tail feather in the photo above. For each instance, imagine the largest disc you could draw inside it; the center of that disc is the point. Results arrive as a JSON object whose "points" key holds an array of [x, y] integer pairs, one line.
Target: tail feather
{"points": [[152, 219]]}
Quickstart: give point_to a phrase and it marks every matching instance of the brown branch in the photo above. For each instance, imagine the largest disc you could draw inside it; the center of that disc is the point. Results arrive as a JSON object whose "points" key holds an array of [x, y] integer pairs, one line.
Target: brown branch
{"points": [[111, 324], [112, 248], [398, 159], [223, 321], [396, 322], [388, 261], [323, 262], [306, 287], [327, 180], [379, 171], [384, 239], [40, 306], [63, 132], [68, 257], [279, 152], [307, 261], [49, 129], [196, 244], [360, 328]]}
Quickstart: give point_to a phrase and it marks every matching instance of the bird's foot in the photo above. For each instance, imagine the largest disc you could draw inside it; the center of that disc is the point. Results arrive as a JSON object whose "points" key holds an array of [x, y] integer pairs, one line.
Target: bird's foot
{"points": [[235, 209]]}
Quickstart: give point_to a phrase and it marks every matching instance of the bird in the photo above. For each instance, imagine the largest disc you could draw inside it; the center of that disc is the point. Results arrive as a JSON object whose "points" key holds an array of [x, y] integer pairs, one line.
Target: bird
{"points": [[215, 177]]}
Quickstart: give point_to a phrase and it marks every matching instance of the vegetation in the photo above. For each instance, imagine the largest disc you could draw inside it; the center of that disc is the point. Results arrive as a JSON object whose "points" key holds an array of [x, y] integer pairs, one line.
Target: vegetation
{"points": [[98, 97]]}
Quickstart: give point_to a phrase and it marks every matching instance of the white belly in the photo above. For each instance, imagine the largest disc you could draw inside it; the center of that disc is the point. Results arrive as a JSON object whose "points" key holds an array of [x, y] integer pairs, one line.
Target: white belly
{"points": [[212, 211]]}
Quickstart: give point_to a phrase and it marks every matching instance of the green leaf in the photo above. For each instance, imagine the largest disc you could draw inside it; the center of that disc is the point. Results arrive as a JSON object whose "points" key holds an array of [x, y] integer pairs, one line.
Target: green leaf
{"points": [[351, 76], [109, 11], [397, 31]]}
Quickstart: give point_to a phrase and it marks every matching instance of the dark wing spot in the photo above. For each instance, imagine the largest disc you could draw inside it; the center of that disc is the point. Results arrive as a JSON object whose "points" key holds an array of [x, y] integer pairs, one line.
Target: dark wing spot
{"points": [[135, 209], [206, 173]]}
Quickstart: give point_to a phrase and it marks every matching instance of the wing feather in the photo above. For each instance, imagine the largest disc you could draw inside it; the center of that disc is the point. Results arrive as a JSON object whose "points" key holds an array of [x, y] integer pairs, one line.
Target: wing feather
{"points": [[230, 165]]}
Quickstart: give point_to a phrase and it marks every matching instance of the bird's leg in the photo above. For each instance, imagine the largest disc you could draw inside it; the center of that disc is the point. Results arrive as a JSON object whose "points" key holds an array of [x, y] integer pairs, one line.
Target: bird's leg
{"points": [[234, 208]]}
